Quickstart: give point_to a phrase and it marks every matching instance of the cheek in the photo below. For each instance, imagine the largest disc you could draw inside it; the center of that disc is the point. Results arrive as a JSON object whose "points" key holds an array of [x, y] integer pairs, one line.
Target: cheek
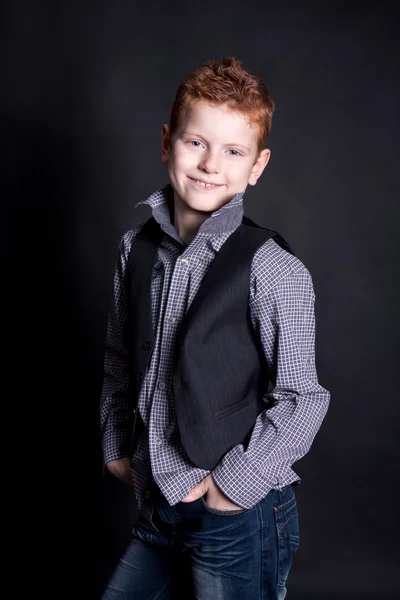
{"points": [[239, 172], [181, 161]]}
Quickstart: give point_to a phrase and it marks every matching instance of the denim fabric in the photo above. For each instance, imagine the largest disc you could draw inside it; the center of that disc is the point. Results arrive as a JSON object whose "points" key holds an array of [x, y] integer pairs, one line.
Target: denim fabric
{"points": [[192, 551]]}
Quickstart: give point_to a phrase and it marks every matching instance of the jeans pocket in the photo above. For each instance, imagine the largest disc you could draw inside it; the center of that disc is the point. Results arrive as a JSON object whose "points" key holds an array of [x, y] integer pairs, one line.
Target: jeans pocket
{"points": [[288, 538], [223, 513]]}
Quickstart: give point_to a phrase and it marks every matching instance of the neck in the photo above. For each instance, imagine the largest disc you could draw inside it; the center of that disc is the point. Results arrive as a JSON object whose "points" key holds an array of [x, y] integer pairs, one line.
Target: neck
{"points": [[187, 221]]}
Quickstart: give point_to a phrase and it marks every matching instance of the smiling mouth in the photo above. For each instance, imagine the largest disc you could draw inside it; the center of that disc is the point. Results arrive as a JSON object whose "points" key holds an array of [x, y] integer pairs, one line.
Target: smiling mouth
{"points": [[205, 185]]}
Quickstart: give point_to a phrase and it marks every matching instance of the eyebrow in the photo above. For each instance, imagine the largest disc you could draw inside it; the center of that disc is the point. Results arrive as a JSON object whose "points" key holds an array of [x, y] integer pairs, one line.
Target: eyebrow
{"points": [[197, 135]]}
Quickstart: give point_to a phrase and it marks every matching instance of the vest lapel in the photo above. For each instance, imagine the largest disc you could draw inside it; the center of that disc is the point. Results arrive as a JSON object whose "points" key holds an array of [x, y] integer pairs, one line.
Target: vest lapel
{"points": [[139, 331], [242, 241]]}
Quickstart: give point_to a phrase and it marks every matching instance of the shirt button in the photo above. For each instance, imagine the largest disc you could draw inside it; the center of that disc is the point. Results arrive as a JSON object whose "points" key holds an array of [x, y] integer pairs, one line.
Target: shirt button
{"points": [[162, 385], [158, 441], [171, 320], [184, 261]]}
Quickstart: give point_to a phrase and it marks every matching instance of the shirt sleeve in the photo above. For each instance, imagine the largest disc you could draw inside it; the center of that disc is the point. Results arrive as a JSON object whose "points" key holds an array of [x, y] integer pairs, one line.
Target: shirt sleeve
{"points": [[284, 321], [115, 421]]}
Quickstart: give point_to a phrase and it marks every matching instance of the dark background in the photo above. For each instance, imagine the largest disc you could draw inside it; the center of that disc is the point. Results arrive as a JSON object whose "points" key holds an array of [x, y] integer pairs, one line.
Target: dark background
{"points": [[86, 88]]}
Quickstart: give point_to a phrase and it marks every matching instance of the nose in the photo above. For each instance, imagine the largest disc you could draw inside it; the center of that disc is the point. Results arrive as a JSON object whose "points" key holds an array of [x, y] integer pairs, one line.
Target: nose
{"points": [[210, 163]]}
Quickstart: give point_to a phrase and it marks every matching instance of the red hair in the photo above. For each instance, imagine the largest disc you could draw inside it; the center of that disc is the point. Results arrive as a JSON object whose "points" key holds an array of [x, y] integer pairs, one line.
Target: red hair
{"points": [[226, 82]]}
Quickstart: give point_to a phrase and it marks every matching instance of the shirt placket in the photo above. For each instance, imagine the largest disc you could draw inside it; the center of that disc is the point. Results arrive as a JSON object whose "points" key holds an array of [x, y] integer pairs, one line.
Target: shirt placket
{"points": [[161, 408]]}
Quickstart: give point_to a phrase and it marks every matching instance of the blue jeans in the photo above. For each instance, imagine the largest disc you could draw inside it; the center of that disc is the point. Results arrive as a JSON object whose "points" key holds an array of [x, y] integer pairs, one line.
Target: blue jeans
{"points": [[192, 551]]}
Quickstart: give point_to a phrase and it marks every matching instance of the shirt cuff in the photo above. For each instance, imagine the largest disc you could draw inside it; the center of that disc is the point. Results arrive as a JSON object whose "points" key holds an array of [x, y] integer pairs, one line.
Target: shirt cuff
{"points": [[240, 481], [115, 445]]}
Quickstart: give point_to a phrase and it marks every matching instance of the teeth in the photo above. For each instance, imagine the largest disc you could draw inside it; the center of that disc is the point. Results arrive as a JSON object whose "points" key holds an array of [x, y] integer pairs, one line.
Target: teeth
{"points": [[204, 184]]}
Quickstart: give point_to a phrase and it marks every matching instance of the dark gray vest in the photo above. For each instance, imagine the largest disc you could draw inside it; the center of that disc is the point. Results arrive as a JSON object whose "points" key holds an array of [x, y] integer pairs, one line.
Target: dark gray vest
{"points": [[220, 373]]}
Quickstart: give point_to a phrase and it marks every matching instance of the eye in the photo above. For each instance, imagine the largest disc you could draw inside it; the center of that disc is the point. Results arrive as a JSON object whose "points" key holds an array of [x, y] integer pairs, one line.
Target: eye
{"points": [[235, 152], [196, 143]]}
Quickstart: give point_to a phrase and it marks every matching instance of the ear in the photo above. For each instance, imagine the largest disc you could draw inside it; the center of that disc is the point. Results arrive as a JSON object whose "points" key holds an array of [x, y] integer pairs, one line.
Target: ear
{"points": [[259, 166], [165, 143]]}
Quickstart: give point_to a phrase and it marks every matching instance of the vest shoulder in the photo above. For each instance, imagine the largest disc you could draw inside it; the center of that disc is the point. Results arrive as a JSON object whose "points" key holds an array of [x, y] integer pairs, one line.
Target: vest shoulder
{"points": [[273, 261]]}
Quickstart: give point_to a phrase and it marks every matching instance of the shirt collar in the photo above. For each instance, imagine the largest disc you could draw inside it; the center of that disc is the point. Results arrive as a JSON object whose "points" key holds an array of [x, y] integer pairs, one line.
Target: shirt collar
{"points": [[226, 218]]}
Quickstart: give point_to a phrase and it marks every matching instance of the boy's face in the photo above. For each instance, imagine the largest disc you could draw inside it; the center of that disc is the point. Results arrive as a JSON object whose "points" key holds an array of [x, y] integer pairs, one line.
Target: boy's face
{"points": [[213, 145]]}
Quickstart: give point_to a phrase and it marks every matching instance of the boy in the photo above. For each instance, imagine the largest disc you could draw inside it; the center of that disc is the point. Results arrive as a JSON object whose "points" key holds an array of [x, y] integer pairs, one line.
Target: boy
{"points": [[210, 309]]}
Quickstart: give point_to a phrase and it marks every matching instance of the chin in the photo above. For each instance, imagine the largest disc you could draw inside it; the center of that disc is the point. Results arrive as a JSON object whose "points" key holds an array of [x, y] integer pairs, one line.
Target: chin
{"points": [[208, 206], [200, 203]]}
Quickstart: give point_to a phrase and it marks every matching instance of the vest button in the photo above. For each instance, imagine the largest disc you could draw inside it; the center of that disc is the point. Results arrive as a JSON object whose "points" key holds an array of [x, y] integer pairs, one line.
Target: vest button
{"points": [[139, 376], [147, 346]]}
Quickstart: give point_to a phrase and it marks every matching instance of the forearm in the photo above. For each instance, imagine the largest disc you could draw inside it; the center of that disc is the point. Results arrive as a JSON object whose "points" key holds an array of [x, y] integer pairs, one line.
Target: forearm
{"points": [[115, 413], [281, 436], [116, 430]]}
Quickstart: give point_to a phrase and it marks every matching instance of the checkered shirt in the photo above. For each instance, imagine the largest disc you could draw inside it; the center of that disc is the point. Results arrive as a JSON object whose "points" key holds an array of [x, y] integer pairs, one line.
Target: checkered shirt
{"points": [[281, 298]]}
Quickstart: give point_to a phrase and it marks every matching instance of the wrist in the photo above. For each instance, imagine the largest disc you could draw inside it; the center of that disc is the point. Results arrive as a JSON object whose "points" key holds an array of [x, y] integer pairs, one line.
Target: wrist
{"points": [[217, 499]]}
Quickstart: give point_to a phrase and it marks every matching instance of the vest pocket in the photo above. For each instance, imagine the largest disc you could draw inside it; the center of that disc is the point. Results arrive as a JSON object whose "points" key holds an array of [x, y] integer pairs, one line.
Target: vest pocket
{"points": [[224, 412]]}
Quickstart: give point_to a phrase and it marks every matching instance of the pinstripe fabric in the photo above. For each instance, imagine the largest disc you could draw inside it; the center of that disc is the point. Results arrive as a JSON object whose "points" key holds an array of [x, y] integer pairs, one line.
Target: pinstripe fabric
{"points": [[282, 313]]}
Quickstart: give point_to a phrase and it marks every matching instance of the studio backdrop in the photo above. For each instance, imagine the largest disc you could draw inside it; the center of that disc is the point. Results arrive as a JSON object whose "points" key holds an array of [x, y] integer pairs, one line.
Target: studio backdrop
{"points": [[88, 86]]}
